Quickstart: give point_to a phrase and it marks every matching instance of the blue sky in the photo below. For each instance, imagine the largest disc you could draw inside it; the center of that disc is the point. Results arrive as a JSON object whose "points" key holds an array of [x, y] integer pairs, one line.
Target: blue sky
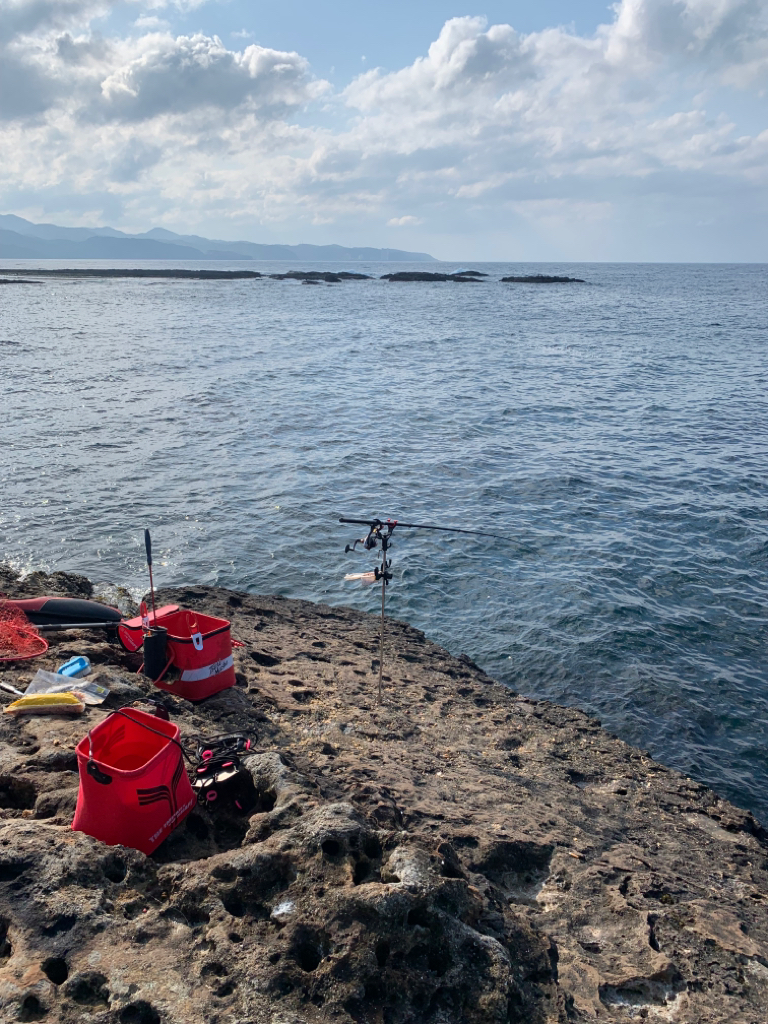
{"points": [[335, 37], [509, 131]]}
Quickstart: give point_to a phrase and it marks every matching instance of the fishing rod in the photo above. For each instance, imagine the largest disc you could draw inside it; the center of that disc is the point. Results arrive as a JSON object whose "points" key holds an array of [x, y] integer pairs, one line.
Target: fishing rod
{"points": [[148, 546], [392, 523], [380, 535]]}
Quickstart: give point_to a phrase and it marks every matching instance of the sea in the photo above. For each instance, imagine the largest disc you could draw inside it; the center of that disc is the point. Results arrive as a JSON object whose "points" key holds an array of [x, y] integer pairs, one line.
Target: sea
{"points": [[613, 434]]}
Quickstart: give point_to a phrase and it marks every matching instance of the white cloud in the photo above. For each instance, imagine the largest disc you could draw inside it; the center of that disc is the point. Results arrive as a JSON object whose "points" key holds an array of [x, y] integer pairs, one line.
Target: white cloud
{"points": [[464, 55], [489, 127], [24, 17], [188, 73], [180, 5], [29, 30], [151, 23], [490, 113]]}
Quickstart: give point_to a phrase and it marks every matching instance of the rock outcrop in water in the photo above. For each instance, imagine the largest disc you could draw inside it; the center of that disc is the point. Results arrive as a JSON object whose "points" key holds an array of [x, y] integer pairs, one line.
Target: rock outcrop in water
{"points": [[316, 276], [421, 275], [168, 273], [541, 279], [304, 276], [460, 854]]}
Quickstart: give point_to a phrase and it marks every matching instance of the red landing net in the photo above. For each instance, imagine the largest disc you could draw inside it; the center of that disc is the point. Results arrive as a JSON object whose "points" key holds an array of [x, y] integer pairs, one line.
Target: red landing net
{"points": [[18, 637]]}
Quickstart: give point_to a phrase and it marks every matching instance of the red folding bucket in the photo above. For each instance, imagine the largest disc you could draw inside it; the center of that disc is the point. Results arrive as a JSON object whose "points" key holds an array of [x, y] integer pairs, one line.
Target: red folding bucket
{"points": [[200, 646], [134, 790]]}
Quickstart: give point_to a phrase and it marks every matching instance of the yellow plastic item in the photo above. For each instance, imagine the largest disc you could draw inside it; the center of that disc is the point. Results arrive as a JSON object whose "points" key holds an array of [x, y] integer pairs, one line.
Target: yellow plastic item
{"points": [[46, 704]]}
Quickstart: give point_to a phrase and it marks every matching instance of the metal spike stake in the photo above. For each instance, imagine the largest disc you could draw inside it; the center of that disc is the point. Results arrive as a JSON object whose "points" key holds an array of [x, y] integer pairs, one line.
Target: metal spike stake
{"points": [[380, 532], [385, 576], [381, 637]]}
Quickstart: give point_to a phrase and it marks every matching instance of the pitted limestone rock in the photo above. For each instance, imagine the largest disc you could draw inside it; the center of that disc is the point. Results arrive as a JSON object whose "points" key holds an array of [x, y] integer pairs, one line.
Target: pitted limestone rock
{"points": [[456, 854]]}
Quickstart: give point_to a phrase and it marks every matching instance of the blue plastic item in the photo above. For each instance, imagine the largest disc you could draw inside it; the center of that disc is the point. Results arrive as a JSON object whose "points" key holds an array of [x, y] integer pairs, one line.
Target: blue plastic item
{"points": [[75, 667]]}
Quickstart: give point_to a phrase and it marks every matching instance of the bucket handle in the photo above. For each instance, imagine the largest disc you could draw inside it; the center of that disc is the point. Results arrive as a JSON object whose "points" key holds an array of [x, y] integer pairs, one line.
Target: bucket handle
{"points": [[95, 772], [92, 766], [194, 631]]}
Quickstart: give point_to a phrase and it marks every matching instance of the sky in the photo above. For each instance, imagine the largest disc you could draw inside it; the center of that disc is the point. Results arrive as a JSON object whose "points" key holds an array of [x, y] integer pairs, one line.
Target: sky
{"points": [[546, 131]]}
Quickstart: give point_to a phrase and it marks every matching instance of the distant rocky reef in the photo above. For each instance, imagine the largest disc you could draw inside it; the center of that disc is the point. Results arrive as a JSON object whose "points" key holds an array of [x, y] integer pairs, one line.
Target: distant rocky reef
{"points": [[316, 276], [168, 272], [541, 279], [303, 276], [421, 275]]}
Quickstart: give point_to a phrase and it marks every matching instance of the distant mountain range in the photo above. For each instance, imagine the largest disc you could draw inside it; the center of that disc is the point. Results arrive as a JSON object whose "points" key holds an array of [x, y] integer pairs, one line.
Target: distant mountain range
{"points": [[22, 240]]}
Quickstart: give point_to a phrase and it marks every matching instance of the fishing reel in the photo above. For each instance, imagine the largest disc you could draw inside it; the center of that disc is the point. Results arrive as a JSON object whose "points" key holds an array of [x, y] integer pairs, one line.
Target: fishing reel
{"points": [[378, 535], [375, 536]]}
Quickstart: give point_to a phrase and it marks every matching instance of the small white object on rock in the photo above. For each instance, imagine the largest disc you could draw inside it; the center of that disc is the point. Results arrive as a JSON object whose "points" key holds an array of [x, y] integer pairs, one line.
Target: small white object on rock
{"points": [[283, 910]]}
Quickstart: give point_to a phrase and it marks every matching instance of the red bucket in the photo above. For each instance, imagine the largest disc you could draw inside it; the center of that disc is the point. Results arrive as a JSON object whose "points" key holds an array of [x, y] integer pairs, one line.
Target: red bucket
{"points": [[133, 787], [200, 646]]}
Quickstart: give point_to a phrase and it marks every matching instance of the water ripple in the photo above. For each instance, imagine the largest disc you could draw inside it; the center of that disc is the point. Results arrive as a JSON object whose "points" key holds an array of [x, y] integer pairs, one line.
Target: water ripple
{"points": [[615, 433]]}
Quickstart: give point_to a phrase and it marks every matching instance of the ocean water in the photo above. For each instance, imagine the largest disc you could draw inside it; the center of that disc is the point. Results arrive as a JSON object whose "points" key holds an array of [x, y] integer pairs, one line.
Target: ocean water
{"points": [[615, 433]]}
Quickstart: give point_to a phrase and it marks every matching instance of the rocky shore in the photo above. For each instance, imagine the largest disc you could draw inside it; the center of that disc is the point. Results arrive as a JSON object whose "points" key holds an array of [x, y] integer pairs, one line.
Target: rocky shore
{"points": [[459, 854]]}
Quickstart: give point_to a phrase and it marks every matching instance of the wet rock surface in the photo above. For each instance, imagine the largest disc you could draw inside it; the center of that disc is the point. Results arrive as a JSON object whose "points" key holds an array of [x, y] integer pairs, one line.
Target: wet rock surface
{"points": [[458, 854]]}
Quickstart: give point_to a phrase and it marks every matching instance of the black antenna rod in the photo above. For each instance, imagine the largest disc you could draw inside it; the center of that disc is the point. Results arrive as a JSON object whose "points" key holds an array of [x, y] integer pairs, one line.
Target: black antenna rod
{"points": [[422, 526]]}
